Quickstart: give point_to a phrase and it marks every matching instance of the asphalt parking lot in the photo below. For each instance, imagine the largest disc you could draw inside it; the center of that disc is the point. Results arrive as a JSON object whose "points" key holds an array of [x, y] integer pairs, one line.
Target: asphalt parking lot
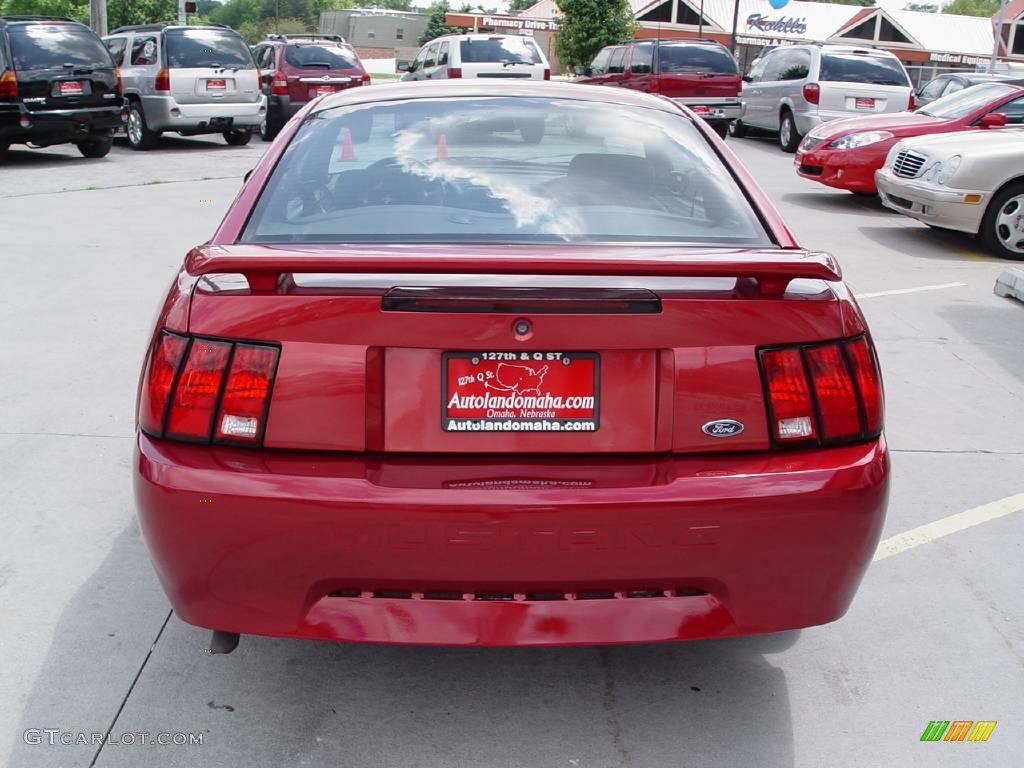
{"points": [[89, 644]]}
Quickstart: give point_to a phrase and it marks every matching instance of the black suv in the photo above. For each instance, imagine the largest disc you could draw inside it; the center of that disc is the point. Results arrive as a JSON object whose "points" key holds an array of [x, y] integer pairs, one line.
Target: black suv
{"points": [[58, 85]]}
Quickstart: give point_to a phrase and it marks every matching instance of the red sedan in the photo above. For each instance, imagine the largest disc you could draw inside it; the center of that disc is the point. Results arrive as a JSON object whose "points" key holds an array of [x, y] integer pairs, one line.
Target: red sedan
{"points": [[846, 153], [432, 383]]}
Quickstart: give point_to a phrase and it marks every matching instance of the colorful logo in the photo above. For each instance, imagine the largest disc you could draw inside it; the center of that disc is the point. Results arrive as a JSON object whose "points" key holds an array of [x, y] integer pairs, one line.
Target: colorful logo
{"points": [[958, 730]]}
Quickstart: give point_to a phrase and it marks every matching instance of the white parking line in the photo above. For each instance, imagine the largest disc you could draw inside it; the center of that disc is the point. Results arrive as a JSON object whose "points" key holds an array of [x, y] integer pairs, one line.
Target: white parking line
{"points": [[923, 534], [900, 291]]}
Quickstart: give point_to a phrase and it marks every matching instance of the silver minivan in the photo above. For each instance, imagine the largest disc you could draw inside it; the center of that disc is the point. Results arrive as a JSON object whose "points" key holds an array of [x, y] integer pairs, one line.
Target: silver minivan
{"points": [[793, 89], [190, 80], [504, 57]]}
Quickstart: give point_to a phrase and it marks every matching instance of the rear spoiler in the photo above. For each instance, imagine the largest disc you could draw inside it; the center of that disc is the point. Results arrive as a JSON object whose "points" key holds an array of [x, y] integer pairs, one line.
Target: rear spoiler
{"points": [[263, 265]]}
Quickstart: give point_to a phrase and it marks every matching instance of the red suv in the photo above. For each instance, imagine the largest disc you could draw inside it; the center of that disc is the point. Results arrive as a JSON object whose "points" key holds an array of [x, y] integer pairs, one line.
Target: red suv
{"points": [[297, 69], [700, 74]]}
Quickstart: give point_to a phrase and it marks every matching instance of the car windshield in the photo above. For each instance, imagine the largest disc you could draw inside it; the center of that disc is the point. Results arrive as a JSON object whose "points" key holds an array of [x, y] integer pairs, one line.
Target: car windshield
{"points": [[207, 48], [862, 68], [506, 50], [42, 46], [501, 169], [303, 56], [966, 101], [695, 59]]}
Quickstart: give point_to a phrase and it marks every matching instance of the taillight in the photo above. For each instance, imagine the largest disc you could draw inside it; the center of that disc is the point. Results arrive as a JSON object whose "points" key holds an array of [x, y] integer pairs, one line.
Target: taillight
{"points": [[655, 86], [454, 73], [912, 101], [279, 84], [812, 93], [207, 390], [8, 85], [117, 77], [547, 74], [823, 393], [366, 77], [163, 80]]}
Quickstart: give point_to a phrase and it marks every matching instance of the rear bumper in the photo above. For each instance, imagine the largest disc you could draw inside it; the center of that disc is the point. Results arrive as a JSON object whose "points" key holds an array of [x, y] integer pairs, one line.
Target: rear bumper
{"points": [[717, 109], [257, 543], [940, 207], [165, 114], [850, 169], [57, 126]]}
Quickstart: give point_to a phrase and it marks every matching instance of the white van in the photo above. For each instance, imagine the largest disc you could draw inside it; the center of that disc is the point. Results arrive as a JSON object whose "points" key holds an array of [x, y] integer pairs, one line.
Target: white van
{"points": [[508, 57]]}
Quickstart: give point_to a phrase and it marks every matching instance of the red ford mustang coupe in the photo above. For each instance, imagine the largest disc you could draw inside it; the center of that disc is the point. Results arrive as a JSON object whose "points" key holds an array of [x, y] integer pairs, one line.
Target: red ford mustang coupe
{"points": [[846, 153], [433, 381]]}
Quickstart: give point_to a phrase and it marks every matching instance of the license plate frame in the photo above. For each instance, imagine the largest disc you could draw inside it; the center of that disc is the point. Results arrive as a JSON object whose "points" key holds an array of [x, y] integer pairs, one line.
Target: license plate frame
{"points": [[70, 88], [864, 102], [476, 374], [322, 90], [217, 86]]}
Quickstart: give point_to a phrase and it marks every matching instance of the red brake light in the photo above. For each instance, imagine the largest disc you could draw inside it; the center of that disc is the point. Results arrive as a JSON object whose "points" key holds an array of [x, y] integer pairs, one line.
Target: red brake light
{"points": [[366, 77], [279, 84], [812, 93], [825, 393], [8, 85], [163, 80], [912, 101], [655, 85], [454, 73], [547, 74], [158, 379], [188, 382], [243, 407]]}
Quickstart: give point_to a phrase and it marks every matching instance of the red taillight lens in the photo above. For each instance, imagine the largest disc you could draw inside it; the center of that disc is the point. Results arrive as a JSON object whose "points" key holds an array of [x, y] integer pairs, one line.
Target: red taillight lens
{"points": [[869, 382], [158, 380], [279, 84], [824, 393], [655, 85], [547, 74], [789, 397], [8, 85], [812, 93], [189, 382], [195, 398], [912, 101], [454, 73], [163, 80], [366, 77]]}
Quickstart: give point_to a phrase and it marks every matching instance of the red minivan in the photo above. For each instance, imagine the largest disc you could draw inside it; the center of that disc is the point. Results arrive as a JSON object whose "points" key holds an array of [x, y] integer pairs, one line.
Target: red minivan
{"points": [[700, 74]]}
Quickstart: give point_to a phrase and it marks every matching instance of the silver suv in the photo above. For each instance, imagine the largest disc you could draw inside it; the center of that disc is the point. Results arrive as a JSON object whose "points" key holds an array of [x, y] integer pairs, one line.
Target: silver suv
{"points": [[191, 80], [793, 89]]}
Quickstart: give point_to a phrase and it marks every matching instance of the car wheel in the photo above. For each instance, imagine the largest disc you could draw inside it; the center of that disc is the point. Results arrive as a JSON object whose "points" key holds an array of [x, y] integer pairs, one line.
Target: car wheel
{"points": [[737, 129], [269, 128], [237, 138], [99, 147], [3, 151], [139, 135], [1002, 229], [532, 131], [789, 136]]}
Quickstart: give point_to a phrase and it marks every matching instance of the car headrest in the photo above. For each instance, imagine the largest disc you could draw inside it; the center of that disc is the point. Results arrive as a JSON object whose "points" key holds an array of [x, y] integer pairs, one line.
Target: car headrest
{"points": [[630, 171]]}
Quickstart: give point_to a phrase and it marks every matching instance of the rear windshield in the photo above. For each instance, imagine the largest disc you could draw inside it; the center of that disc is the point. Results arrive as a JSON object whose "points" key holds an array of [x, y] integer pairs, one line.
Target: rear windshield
{"points": [[41, 46], [515, 50], [501, 169], [966, 101], [702, 59], [861, 68], [320, 57], [208, 48]]}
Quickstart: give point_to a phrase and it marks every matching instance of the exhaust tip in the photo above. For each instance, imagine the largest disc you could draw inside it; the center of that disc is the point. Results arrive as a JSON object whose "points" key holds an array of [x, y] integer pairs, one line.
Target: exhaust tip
{"points": [[223, 642]]}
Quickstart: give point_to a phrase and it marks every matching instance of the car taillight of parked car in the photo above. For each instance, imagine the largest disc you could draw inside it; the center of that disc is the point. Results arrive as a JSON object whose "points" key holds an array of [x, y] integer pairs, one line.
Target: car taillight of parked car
{"points": [[454, 73], [912, 102], [207, 390], [547, 74], [812, 93], [365, 78], [8, 85], [119, 84], [823, 393], [163, 80], [279, 84]]}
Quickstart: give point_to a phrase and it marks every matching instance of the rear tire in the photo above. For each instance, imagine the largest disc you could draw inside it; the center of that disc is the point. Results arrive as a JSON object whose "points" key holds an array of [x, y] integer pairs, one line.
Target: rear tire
{"points": [[269, 128], [95, 148], [789, 136], [1002, 229], [3, 151], [737, 129], [721, 128], [139, 136], [237, 138]]}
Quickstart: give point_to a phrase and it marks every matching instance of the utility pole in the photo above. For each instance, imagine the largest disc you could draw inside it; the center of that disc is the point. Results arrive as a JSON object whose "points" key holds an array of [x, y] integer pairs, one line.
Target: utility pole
{"points": [[98, 16], [998, 38], [182, 21]]}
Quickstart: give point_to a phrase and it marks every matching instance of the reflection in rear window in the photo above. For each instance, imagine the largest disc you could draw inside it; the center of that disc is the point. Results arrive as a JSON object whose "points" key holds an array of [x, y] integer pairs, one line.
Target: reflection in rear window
{"points": [[41, 46], [207, 48], [501, 169], [319, 57], [859, 68], [516, 50], [683, 59]]}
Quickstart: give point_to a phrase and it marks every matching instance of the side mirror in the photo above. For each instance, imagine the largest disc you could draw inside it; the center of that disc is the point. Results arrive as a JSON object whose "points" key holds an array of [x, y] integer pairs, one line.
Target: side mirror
{"points": [[994, 120], [403, 66]]}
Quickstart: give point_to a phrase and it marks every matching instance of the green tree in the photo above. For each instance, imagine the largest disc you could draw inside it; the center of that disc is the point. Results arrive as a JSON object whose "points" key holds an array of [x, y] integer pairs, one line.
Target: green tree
{"points": [[922, 7], [436, 22], [123, 12], [70, 9], [590, 25], [986, 8], [520, 5], [865, 3]]}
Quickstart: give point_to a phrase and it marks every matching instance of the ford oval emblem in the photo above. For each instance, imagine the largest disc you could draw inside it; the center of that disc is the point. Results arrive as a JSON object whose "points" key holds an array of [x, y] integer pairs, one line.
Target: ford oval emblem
{"points": [[722, 428]]}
